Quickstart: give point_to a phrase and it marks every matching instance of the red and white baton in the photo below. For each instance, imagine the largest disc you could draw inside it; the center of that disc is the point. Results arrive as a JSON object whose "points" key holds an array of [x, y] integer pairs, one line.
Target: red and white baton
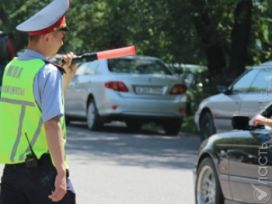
{"points": [[107, 54]]}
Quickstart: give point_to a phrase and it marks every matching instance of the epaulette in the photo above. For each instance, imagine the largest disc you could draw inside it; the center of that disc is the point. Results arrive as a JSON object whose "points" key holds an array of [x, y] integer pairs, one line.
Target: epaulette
{"points": [[60, 68]]}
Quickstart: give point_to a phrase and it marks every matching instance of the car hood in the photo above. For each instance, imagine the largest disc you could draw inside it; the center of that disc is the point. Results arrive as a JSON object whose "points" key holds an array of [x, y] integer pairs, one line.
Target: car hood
{"points": [[230, 138], [225, 138], [215, 98]]}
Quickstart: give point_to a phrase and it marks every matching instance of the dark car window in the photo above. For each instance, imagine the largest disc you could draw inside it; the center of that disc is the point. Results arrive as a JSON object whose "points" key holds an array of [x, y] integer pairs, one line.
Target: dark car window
{"points": [[243, 84], [138, 66], [263, 81]]}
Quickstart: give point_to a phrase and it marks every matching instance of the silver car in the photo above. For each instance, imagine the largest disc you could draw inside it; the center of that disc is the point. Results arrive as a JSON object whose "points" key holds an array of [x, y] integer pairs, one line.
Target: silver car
{"points": [[246, 96], [133, 89]]}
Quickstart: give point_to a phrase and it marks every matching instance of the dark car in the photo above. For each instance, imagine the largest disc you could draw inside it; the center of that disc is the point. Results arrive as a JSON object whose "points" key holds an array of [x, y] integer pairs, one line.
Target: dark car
{"points": [[236, 166]]}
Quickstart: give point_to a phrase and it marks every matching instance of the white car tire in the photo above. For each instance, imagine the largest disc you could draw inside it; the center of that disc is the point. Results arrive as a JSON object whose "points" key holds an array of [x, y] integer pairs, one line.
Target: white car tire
{"points": [[93, 121], [207, 188]]}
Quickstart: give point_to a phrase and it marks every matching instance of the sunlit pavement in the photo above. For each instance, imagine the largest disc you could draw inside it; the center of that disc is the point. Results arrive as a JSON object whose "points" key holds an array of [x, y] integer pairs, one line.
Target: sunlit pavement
{"points": [[119, 167]]}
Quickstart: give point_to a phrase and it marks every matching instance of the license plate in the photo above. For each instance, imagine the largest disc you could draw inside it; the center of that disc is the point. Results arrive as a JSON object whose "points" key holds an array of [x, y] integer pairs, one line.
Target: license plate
{"points": [[148, 90]]}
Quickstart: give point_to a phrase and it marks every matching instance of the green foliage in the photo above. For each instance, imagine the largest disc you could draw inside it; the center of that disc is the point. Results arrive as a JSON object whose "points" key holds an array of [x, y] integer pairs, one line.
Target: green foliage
{"points": [[162, 28], [261, 45], [189, 126], [15, 11]]}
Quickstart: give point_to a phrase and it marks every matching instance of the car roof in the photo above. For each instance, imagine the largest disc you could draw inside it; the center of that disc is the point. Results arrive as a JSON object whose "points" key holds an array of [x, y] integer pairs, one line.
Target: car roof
{"points": [[267, 64], [138, 57]]}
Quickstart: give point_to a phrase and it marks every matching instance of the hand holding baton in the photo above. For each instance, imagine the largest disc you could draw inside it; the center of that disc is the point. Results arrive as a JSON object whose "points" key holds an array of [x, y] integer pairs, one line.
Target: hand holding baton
{"points": [[71, 67]]}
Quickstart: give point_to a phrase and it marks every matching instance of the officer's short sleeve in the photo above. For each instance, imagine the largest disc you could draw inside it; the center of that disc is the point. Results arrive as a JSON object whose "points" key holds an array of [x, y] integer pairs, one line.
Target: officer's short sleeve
{"points": [[48, 92]]}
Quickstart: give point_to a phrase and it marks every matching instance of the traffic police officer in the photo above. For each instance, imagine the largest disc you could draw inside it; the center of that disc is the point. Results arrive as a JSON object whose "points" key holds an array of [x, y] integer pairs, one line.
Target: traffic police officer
{"points": [[32, 135]]}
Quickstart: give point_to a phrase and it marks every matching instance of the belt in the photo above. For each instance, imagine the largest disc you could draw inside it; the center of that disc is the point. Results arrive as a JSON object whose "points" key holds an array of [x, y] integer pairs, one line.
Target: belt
{"points": [[16, 165], [44, 158]]}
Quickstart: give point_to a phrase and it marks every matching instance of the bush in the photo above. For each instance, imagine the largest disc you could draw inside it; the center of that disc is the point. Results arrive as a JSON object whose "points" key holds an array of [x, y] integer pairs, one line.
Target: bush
{"points": [[188, 125]]}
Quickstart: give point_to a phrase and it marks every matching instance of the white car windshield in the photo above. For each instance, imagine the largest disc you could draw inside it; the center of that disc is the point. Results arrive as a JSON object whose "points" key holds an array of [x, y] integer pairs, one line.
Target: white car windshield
{"points": [[138, 66]]}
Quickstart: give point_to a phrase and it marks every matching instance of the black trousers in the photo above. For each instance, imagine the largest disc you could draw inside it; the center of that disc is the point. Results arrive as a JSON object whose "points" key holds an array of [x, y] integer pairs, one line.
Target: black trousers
{"points": [[23, 185]]}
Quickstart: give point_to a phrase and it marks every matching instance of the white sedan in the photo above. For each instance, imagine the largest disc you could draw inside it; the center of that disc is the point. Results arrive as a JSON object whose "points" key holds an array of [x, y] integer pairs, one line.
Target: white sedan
{"points": [[133, 89]]}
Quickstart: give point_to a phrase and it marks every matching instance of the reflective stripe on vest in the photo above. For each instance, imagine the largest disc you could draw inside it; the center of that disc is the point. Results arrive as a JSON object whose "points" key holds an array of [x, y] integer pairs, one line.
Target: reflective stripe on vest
{"points": [[19, 113]]}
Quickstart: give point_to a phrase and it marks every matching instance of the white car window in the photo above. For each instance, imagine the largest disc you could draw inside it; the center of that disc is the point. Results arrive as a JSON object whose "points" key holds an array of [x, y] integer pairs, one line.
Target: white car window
{"points": [[263, 81], [81, 69], [243, 84], [91, 67], [138, 66], [88, 68]]}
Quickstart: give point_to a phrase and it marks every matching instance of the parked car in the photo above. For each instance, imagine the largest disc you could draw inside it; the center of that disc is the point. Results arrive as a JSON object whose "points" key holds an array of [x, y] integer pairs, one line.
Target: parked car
{"points": [[234, 167], [133, 89], [246, 96]]}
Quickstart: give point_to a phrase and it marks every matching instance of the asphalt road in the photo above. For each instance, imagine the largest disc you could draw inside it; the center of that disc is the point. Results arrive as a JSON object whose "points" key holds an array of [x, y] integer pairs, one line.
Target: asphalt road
{"points": [[119, 167]]}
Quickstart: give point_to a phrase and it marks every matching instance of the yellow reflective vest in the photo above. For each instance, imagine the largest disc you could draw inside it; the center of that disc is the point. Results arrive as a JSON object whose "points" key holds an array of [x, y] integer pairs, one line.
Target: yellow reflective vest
{"points": [[20, 116]]}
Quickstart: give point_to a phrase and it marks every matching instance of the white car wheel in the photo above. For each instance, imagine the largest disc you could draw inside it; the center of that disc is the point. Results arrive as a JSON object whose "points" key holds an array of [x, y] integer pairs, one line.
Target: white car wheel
{"points": [[207, 190], [92, 116]]}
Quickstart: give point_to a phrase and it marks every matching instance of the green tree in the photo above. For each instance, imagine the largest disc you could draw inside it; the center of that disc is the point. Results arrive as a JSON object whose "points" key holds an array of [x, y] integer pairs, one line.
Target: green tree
{"points": [[15, 11], [225, 35]]}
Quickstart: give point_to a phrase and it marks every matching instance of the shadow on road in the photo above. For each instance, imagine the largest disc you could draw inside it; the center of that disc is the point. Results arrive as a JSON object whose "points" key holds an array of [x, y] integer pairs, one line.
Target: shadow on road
{"points": [[118, 146], [119, 127]]}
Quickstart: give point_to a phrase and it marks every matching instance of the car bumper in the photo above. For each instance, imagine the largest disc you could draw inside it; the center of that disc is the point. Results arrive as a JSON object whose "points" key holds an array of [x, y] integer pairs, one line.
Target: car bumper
{"points": [[153, 108]]}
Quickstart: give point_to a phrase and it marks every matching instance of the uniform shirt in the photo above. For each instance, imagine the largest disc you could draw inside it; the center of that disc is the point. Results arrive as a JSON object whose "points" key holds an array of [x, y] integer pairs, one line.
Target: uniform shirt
{"points": [[47, 87]]}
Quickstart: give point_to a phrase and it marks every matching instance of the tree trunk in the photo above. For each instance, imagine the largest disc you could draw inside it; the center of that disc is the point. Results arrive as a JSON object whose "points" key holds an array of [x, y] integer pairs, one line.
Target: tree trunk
{"points": [[3, 17], [212, 45], [240, 38]]}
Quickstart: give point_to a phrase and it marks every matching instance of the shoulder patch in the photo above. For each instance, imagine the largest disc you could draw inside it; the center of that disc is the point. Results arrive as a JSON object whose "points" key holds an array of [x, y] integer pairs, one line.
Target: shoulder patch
{"points": [[60, 68]]}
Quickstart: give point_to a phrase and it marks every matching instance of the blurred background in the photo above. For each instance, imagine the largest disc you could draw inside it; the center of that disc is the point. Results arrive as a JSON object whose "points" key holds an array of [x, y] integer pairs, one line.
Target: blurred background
{"points": [[220, 38]]}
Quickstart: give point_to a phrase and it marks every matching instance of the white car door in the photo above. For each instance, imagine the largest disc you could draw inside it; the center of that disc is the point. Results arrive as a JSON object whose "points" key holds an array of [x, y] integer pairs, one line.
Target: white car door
{"points": [[231, 102], [72, 94], [77, 93], [224, 108]]}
